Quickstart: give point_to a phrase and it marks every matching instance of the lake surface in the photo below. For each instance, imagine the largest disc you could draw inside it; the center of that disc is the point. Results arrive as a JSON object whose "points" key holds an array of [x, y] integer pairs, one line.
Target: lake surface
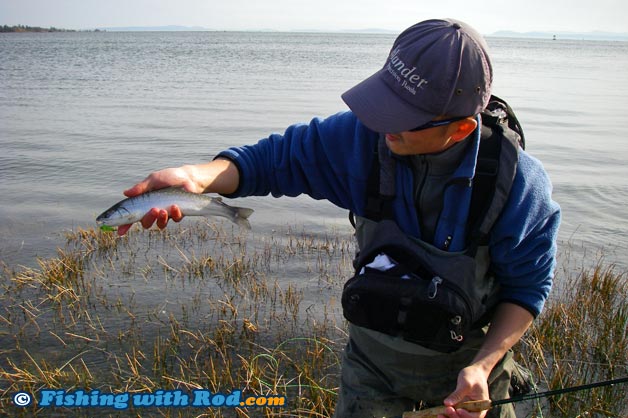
{"points": [[85, 115]]}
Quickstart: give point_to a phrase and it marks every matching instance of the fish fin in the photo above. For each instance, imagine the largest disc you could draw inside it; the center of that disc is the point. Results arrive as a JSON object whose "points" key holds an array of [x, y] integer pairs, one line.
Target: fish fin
{"points": [[241, 217]]}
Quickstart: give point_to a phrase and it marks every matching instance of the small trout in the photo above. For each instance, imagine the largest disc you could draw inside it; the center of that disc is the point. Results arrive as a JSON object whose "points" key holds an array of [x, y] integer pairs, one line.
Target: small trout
{"points": [[133, 209]]}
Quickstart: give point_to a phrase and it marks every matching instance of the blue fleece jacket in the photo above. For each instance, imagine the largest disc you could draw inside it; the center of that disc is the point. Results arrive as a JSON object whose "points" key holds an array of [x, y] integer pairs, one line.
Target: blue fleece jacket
{"points": [[331, 159]]}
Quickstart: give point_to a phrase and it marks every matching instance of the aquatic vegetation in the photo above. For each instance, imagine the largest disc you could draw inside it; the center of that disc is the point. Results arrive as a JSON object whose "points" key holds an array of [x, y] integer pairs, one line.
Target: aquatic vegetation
{"points": [[583, 338], [206, 306], [186, 308]]}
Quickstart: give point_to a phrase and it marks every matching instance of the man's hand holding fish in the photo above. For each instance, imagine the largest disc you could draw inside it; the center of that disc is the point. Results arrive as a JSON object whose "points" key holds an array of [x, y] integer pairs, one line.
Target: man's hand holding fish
{"points": [[217, 176]]}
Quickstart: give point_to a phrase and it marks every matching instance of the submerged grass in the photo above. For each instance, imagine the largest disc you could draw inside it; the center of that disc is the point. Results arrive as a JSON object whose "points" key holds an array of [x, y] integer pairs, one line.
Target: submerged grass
{"points": [[189, 308], [200, 307]]}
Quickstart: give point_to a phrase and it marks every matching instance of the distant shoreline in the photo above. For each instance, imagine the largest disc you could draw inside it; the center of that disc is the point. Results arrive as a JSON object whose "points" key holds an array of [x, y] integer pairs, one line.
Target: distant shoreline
{"points": [[25, 28], [562, 36]]}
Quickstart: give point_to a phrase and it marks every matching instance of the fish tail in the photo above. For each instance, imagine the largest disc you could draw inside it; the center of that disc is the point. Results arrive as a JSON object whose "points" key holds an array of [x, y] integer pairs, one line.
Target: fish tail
{"points": [[241, 217]]}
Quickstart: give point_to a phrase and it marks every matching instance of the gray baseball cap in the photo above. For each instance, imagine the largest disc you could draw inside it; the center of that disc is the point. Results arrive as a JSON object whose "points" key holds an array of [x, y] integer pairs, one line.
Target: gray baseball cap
{"points": [[435, 68]]}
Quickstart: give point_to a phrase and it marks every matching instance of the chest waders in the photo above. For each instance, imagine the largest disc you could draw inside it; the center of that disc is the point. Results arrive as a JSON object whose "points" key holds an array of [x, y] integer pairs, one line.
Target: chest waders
{"points": [[433, 298], [386, 373]]}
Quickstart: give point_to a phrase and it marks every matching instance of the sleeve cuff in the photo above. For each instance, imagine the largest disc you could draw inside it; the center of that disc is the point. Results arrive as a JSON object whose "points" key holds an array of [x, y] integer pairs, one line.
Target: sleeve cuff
{"points": [[534, 311]]}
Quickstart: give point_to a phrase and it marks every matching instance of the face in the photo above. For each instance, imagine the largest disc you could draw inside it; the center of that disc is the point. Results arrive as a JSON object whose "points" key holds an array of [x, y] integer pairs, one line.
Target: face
{"points": [[430, 141], [422, 142]]}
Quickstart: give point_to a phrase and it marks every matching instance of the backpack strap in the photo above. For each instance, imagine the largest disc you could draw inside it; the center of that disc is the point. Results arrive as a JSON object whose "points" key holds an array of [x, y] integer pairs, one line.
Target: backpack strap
{"points": [[381, 185], [495, 170]]}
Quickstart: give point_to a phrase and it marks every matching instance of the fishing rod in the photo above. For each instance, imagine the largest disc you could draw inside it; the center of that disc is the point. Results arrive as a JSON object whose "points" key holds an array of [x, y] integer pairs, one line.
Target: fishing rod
{"points": [[478, 406]]}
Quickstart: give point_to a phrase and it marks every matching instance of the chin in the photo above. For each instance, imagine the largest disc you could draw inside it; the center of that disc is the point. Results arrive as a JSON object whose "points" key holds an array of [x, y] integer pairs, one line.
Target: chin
{"points": [[396, 147]]}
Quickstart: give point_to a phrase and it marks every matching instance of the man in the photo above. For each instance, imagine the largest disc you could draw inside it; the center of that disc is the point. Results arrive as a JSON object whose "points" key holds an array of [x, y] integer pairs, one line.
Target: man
{"points": [[424, 102]]}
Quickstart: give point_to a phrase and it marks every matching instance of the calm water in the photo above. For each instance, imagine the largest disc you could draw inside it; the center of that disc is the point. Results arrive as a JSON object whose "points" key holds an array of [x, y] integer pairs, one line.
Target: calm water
{"points": [[85, 115]]}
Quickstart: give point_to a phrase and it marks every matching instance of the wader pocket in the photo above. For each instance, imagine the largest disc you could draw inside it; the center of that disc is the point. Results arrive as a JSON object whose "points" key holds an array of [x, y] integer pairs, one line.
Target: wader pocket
{"points": [[425, 298]]}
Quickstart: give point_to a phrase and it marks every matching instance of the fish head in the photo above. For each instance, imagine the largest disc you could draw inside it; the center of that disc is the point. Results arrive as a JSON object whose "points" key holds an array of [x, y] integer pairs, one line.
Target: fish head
{"points": [[115, 216]]}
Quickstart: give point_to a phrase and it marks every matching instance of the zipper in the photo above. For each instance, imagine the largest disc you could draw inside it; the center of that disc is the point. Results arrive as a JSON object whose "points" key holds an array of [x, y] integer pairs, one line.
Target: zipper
{"points": [[432, 289], [437, 281], [456, 321], [424, 165], [447, 242]]}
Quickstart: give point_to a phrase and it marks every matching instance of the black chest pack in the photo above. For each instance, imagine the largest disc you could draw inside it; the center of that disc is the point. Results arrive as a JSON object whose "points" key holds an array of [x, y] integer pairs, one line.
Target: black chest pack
{"points": [[425, 295]]}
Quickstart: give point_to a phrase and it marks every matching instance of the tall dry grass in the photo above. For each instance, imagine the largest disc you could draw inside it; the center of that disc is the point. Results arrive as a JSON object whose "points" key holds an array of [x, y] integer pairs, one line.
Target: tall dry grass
{"points": [[582, 337], [200, 306]]}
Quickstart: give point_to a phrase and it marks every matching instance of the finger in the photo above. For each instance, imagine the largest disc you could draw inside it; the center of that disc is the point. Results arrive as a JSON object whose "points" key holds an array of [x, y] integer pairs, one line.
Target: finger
{"points": [[190, 186], [162, 219], [175, 213], [123, 229], [454, 398], [140, 188], [149, 219], [151, 182], [463, 413], [450, 412]]}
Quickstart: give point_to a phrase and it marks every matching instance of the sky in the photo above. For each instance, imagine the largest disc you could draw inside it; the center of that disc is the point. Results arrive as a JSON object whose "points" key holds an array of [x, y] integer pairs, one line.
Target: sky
{"points": [[486, 16]]}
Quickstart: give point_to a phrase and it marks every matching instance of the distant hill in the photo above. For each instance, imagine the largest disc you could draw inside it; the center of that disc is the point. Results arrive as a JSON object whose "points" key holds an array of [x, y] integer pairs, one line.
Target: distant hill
{"points": [[175, 28], [593, 36], [169, 28], [358, 31], [587, 36]]}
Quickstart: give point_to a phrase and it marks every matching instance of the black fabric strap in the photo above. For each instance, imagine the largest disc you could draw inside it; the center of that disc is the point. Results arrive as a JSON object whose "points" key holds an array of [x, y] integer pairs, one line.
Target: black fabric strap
{"points": [[381, 184]]}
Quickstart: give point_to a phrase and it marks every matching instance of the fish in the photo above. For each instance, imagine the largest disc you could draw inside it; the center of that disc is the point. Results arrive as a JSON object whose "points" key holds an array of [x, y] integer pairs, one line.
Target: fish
{"points": [[133, 209]]}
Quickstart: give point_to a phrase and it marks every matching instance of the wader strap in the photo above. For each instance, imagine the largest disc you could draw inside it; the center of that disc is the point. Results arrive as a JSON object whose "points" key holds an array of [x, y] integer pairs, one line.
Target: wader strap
{"points": [[381, 184], [495, 172]]}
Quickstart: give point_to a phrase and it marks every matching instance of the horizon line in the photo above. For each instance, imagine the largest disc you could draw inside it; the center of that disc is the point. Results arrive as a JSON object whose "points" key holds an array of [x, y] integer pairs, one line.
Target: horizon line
{"points": [[566, 34]]}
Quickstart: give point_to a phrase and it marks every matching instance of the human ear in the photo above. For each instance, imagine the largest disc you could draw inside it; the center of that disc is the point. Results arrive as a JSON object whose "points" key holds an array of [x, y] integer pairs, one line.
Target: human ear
{"points": [[462, 129]]}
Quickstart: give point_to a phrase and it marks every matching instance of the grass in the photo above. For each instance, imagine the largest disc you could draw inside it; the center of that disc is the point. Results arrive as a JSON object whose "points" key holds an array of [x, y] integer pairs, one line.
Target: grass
{"points": [[199, 306], [186, 308], [583, 338]]}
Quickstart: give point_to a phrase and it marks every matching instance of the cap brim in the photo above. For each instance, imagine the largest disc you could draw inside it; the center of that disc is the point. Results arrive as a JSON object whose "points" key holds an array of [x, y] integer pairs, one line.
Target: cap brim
{"points": [[379, 108]]}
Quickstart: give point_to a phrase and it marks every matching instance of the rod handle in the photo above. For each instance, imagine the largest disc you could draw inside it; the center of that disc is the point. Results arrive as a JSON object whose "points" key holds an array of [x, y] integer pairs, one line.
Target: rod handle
{"points": [[471, 406]]}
